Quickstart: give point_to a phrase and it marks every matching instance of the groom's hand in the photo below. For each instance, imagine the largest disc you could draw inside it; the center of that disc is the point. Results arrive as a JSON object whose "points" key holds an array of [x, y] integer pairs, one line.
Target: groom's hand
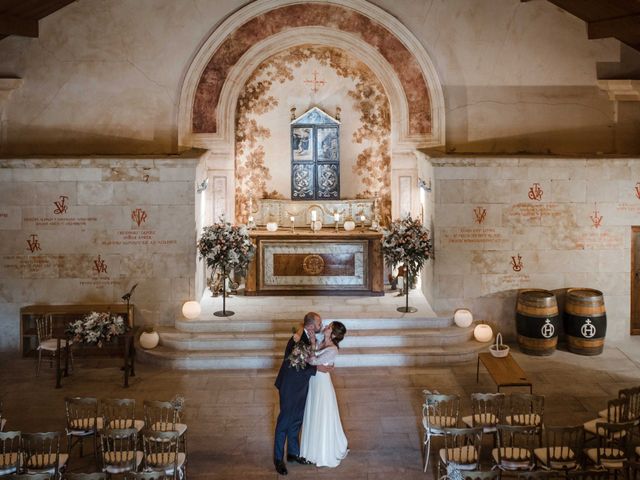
{"points": [[326, 368]]}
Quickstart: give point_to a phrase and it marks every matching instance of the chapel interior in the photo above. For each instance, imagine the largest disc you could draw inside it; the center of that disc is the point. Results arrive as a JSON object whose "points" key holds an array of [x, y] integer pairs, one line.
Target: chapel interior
{"points": [[200, 174]]}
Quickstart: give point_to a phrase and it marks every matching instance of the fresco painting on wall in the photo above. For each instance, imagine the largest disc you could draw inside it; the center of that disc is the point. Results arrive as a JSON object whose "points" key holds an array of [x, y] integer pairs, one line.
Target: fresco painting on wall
{"points": [[267, 143]]}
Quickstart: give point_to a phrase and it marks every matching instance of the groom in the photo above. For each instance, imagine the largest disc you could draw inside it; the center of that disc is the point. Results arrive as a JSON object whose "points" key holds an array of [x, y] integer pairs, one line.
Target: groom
{"points": [[293, 386]]}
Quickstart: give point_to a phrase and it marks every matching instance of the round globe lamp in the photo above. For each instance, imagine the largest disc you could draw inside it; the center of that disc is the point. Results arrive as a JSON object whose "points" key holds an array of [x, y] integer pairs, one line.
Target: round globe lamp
{"points": [[463, 318], [483, 333], [191, 309]]}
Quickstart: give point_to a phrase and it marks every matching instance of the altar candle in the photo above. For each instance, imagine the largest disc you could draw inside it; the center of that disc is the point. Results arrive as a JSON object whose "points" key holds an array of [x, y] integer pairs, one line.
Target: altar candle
{"points": [[250, 219], [292, 218], [336, 217], [362, 218], [313, 215]]}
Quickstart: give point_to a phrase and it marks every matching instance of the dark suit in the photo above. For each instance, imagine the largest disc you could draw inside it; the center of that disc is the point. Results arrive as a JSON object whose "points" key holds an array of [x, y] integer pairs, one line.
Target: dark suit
{"points": [[293, 386]]}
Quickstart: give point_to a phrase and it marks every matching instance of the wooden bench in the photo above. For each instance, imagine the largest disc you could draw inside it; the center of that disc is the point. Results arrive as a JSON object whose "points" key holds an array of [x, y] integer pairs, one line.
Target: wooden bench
{"points": [[505, 372]]}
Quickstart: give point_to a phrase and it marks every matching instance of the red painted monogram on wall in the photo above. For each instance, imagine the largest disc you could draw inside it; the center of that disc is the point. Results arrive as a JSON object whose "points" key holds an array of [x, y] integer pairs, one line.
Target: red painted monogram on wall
{"points": [[480, 214], [516, 263], [139, 216], [637, 190], [99, 265], [61, 205], [33, 244], [596, 218], [535, 192]]}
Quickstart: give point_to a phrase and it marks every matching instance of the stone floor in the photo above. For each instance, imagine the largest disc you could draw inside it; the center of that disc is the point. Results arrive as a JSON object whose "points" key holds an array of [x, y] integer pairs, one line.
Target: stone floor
{"points": [[231, 414]]}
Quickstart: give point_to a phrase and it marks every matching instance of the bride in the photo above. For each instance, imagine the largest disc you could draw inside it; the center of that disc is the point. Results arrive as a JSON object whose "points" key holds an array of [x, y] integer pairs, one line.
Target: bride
{"points": [[323, 440]]}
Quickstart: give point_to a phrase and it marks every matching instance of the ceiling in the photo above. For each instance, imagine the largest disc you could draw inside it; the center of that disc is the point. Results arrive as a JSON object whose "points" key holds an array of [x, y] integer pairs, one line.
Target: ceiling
{"points": [[20, 17], [618, 19]]}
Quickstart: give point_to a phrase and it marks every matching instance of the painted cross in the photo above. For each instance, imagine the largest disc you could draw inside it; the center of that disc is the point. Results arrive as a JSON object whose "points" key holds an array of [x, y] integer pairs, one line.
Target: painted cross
{"points": [[315, 82], [33, 243]]}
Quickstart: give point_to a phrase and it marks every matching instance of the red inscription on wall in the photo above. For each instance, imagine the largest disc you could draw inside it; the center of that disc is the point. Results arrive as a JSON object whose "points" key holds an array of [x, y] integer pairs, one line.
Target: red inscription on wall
{"points": [[33, 244], [59, 221], [516, 263], [475, 235], [61, 206], [535, 192], [137, 237], [480, 214], [637, 190], [139, 216]]}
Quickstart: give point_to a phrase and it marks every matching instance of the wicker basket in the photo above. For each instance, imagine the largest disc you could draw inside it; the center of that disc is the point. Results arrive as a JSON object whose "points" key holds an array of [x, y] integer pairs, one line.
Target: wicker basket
{"points": [[499, 349]]}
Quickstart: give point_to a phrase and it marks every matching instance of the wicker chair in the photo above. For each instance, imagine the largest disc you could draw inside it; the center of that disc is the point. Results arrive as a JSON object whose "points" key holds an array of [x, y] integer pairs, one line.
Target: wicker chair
{"points": [[46, 342], [119, 452], [462, 448], [82, 422]]}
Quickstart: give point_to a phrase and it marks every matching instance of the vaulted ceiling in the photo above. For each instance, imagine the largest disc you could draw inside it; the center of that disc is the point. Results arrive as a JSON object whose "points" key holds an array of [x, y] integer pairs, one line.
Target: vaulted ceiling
{"points": [[618, 19], [20, 17]]}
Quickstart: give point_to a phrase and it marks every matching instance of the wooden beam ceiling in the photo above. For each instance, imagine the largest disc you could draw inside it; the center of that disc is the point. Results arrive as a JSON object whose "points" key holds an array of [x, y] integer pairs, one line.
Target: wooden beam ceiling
{"points": [[20, 17], [619, 19]]}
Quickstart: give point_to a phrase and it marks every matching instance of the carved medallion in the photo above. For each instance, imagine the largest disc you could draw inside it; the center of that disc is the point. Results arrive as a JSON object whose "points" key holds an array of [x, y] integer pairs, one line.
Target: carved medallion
{"points": [[313, 264]]}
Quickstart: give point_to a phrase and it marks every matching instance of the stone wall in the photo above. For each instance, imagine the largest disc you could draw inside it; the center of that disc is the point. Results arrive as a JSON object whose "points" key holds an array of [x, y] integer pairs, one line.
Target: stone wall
{"points": [[85, 230], [502, 224], [517, 76]]}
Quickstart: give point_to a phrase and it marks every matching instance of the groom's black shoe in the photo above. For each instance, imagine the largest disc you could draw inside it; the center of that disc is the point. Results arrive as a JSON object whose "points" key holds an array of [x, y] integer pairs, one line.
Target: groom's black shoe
{"points": [[281, 468], [300, 460]]}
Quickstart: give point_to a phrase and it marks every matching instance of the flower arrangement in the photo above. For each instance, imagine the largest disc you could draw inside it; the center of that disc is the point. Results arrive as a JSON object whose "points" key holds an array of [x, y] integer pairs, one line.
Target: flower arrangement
{"points": [[97, 328], [299, 355], [226, 246], [406, 241]]}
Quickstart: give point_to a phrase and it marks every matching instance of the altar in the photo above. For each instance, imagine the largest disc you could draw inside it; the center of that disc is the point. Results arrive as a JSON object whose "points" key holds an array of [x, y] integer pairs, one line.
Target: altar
{"points": [[325, 262]]}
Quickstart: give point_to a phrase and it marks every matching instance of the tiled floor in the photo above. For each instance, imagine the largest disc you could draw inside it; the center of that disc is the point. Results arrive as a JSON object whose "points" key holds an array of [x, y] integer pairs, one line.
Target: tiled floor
{"points": [[231, 414]]}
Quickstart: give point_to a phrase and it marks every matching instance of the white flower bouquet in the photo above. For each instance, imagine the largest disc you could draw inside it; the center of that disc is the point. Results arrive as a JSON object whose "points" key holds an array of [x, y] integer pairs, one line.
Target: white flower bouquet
{"points": [[97, 328], [299, 355]]}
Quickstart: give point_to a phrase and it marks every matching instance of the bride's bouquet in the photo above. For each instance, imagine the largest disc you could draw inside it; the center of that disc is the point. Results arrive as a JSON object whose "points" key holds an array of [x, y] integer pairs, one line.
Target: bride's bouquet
{"points": [[299, 356]]}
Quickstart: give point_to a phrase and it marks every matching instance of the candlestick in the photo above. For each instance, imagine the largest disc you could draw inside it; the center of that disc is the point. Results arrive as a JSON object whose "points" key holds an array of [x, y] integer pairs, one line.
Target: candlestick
{"points": [[336, 217], [313, 215], [293, 223], [362, 219]]}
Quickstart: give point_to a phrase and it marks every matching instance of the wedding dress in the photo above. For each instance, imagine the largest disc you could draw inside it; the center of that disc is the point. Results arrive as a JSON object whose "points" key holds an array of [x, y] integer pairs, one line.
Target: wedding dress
{"points": [[323, 440]]}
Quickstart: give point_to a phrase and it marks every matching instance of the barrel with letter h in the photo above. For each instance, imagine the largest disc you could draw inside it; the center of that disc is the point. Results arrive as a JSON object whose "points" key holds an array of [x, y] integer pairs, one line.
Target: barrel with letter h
{"points": [[585, 321], [537, 321]]}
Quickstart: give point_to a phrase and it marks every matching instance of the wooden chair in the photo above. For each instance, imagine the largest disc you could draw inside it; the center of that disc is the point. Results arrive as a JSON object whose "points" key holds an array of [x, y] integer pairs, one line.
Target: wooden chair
{"points": [[633, 394], [86, 476], [515, 448], [82, 422], [632, 470], [41, 454], [617, 412], [534, 475], [119, 451], [161, 453], [480, 475], [438, 413], [46, 342], [525, 410], [10, 455], [562, 450], [462, 448], [588, 475], [614, 447], [165, 417], [120, 413], [486, 411]]}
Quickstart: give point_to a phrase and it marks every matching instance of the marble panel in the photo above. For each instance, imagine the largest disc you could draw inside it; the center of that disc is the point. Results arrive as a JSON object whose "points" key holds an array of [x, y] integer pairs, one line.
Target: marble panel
{"points": [[10, 218], [155, 193], [568, 191], [95, 193], [449, 191], [487, 191]]}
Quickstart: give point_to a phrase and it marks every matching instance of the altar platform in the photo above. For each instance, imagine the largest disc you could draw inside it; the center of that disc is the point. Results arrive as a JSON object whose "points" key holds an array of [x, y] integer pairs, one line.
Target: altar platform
{"points": [[255, 337]]}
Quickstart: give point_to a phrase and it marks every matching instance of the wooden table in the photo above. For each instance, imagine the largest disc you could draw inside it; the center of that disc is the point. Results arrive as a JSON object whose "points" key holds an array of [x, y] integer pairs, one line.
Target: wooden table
{"points": [[505, 372], [126, 342]]}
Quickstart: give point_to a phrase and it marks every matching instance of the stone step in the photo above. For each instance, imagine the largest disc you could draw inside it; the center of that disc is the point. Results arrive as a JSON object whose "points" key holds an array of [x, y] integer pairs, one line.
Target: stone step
{"points": [[231, 324], [349, 357], [257, 340]]}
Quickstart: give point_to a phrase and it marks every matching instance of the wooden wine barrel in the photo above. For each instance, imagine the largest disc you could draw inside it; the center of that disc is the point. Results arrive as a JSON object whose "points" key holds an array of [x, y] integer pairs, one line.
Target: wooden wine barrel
{"points": [[585, 321], [537, 321]]}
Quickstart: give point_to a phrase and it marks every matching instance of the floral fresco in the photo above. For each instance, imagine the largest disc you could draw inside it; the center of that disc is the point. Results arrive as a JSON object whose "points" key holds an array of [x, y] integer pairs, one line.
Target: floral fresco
{"points": [[262, 134]]}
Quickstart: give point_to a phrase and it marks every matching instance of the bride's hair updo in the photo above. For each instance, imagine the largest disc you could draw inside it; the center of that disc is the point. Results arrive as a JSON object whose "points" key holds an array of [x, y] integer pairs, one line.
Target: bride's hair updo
{"points": [[338, 331]]}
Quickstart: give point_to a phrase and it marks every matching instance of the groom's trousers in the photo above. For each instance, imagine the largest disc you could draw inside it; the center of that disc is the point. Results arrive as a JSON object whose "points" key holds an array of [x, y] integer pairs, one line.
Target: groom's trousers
{"points": [[290, 420]]}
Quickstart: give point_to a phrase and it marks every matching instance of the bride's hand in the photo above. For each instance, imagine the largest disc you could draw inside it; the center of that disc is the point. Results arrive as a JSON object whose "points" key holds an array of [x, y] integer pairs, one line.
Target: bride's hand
{"points": [[326, 368], [298, 335]]}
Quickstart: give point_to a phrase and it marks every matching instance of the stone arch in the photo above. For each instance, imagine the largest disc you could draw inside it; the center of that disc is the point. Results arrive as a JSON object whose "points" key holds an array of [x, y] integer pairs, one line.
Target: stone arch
{"points": [[251, 35]]}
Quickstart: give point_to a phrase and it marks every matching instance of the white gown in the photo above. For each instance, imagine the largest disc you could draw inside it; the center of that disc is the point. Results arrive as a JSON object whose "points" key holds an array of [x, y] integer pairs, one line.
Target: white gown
{"points": [[323, 440]]}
